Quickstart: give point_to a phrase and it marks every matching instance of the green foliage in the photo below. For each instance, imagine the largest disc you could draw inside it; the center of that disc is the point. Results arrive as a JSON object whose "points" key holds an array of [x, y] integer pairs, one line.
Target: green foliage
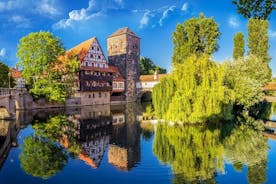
{"points": [[147, 67], [162, 95], [258, 41], [246, 77], [4, 76], [259, 9], [238, 50], [196, 93], [36, 52], [41, 158], [39, 56], [195, 36], [53, 92]]}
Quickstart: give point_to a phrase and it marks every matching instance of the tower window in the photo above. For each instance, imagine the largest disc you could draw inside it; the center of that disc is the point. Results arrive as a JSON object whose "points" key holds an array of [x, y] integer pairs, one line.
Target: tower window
{"points": [[92, 48], [99, 57], [98, 48], [91, 56]]}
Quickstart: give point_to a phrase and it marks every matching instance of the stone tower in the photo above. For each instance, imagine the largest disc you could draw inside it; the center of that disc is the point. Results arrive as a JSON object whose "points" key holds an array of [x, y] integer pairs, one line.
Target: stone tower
{"points": [[123, 49]]}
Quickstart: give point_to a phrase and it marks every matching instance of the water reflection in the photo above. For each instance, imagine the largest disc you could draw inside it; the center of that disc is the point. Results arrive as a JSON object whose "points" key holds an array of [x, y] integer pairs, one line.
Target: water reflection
{"points": [[8, 138], [196, 154], [84, 133]]}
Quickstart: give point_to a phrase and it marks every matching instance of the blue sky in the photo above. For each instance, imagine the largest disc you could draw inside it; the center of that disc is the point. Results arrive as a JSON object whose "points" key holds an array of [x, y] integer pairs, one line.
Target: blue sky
{"points": [[152, 20]]}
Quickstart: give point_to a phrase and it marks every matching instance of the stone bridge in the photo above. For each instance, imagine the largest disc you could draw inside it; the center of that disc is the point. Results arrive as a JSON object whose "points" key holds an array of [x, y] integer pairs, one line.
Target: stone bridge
{"points": [[10, 100]]}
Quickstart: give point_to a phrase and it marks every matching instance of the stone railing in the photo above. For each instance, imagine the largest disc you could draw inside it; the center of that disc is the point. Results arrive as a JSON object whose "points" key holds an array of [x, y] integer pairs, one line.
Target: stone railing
{"points": [[11, 91]]}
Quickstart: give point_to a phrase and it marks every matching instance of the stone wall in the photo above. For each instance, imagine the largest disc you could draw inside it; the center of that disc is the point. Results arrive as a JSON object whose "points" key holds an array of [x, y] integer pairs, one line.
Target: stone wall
{"points": [[124, 52], [93, 98]]}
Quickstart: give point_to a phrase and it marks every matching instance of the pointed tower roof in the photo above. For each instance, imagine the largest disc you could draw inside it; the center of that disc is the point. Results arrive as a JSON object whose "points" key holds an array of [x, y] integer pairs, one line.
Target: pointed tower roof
{"points": [[121, 31]]}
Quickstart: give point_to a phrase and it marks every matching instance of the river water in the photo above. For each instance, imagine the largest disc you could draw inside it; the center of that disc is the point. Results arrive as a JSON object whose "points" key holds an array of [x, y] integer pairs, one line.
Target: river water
{"points": [[111, 144]]}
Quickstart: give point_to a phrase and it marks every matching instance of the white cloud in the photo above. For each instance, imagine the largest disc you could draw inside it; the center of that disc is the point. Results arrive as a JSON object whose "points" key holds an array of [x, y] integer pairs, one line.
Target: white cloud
{"points": [[145, 19], [20, 21], [47, 8], [10, 5], [272, 34], [120, 2], [78, 16], [165, 14], [3, 52], [184, 7], [233, 22]]}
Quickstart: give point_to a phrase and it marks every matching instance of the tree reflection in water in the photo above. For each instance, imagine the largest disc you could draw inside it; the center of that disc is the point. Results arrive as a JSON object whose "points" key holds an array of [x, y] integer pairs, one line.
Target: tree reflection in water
{"points": [[196, 153], [41, 157]]}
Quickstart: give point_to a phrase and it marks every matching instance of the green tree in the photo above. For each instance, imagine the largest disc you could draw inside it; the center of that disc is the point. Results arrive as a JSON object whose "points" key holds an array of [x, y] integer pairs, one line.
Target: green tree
{"points": [[238, 50], [162, 95], [259, 9], [258, 41], [246, 77], [147, 67], [4, 76], [41, 158], [195, 94], [36, 52], [195, 36], [50, 72]]}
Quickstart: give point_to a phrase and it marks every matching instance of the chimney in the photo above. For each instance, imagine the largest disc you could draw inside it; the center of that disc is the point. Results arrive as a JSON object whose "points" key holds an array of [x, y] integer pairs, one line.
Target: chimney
{"points": [[155, 77]]}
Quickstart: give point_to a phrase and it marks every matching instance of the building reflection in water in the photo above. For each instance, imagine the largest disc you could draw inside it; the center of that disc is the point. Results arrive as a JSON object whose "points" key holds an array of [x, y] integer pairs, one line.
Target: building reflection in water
{"points": [[88, 131], [124, 148]]}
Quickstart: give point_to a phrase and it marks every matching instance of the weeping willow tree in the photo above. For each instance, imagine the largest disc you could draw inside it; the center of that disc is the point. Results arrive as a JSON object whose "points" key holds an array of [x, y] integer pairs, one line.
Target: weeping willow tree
{"points": [[195, 92], [162, 95], [195, 153]]}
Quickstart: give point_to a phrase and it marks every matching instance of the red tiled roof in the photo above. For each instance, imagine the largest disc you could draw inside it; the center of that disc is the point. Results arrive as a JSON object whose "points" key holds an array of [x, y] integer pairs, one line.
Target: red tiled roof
{"points": [[15, 73], [150, 78], [270, 86], [82, 48]]}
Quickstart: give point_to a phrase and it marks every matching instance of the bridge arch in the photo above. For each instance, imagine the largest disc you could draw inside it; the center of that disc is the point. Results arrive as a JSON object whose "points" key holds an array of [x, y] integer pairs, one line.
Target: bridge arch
{"points": [[145, 96]]}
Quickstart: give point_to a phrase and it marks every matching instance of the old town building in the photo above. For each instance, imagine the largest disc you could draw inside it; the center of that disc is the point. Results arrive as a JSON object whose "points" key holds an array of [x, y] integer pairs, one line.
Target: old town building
{"points": [[19, 80], [123, 49], [101, 81]]}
